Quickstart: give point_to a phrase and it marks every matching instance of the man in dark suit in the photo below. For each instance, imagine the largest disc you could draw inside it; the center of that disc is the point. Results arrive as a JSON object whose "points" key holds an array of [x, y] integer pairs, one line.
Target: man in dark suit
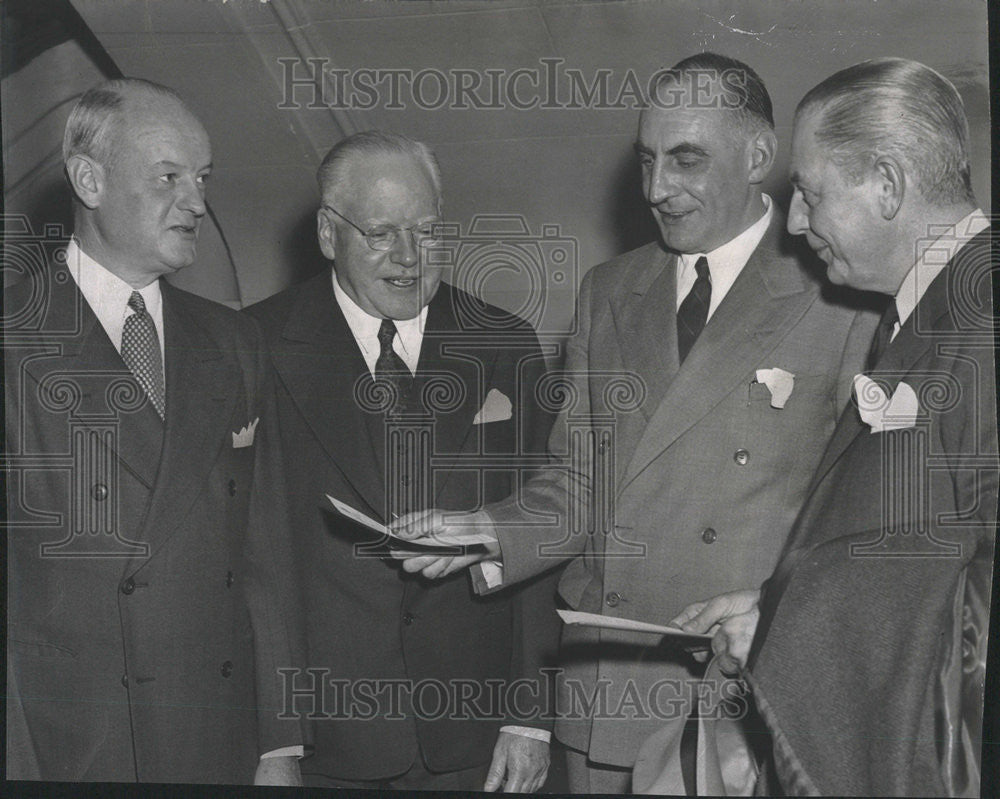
{"points": [[738, 367], [148, 564], [868, 663], [397, 391]]}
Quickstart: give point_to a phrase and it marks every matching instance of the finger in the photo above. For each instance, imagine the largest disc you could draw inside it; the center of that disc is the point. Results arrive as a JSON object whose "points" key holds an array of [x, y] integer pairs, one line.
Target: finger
{"points": [[413, 525], [439, 568], [700, 655], [494, 777], [419, 563], [685, 615]]}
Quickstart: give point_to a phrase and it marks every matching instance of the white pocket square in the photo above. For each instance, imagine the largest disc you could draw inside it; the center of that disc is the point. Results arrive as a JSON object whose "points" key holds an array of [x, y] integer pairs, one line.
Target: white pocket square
{"points": [[881, 412], [244, 438], [496, 408], [779, 382]]}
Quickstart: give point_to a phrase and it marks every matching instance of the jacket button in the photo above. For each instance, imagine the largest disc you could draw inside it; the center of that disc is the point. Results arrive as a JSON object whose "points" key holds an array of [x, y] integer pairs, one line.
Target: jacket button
{"points": [[99, 492], [613, 598], [128, 586], [708, 535], [124, 681], [227, 668], [742, 457], [229, 579], [232, 488], [407, 619]]}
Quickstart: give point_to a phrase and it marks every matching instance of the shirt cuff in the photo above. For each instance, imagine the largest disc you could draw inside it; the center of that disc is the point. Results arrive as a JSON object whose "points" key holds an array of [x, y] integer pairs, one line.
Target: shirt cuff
{"points": [[529, 732], [286, 751], [488, 575]]}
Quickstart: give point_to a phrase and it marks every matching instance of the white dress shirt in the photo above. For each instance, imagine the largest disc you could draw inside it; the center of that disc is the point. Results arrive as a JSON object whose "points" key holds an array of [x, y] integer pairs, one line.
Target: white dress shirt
{"points": [[364, 326], [934, 259], [107, 295], [724, 263]]}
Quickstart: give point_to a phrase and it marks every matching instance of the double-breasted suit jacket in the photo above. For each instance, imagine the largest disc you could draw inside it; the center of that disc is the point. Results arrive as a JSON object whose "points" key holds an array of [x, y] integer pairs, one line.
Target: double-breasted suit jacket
{"points": [[695, 489], [370, 624], [149, 599], [869, 658]]}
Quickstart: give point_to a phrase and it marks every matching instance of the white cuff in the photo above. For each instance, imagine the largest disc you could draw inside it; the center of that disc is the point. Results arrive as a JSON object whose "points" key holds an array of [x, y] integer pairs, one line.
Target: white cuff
{"points": [[286, 751], [529, 732]]}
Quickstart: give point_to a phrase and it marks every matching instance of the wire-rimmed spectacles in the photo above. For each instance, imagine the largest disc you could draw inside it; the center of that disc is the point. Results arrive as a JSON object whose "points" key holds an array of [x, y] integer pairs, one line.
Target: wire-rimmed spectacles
{"points": [[383, 237]]}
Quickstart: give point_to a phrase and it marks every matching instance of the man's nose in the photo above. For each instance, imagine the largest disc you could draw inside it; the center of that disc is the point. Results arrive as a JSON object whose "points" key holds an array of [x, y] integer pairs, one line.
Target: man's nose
{"points": [[662, 184], [798, 215], [404, 250], [192, 197]]}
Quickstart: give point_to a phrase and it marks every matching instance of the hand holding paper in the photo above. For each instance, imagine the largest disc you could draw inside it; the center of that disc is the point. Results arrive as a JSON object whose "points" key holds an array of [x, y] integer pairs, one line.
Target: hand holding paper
{"points": [[732, 617], [436, 526]]}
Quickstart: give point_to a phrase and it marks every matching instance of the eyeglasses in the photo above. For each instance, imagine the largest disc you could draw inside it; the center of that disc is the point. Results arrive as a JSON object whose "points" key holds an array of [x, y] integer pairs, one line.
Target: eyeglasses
{"points": [[383, 237]]}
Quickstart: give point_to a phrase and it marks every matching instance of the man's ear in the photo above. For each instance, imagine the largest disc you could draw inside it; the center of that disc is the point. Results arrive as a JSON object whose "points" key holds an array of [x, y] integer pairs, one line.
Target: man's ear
{"points": [[87, 178], [890, 185], [762, 150], [326, 233]]}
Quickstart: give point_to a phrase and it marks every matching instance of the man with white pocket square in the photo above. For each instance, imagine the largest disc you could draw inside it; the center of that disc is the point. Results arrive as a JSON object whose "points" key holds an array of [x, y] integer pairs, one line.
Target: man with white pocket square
{"points": [[866, 648], [397, 392], [149, 595], [741, 362]]}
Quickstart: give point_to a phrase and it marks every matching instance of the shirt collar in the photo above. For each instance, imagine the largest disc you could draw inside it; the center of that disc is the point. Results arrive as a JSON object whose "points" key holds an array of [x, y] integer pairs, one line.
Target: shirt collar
{"points": [[934, 259], [365, 327], [108, 295], [726, 262]]}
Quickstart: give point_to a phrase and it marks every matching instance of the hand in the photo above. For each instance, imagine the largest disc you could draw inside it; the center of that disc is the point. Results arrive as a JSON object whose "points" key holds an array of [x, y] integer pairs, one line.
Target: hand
{"points": [[435, 522], [283, 770], [524, 760], [733, 617]]}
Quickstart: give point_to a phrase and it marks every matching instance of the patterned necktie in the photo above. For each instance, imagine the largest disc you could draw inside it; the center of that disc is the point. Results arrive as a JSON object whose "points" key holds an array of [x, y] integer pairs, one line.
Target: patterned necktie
{"points": [[390, 368], [693, 311], [141, 352], [883, 334]]}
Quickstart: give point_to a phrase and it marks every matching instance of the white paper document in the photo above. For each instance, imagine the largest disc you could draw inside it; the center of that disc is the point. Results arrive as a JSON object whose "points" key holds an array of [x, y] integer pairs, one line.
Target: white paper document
{"points": [[429, 540], [614, 623]]}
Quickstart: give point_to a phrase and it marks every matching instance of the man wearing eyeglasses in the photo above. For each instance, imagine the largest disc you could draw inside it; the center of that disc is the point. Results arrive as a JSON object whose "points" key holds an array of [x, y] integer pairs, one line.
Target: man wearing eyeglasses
{"points": [[384, 372]]}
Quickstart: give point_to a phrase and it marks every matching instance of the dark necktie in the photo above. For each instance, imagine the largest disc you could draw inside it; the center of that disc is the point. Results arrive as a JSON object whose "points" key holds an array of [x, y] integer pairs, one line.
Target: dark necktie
{"points": [[390, 368], [141, 352], [883, 334], [693, 311]]}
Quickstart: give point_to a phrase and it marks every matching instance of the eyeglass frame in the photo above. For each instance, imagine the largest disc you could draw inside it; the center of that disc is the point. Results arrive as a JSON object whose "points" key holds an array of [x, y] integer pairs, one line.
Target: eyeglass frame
{"points": [[422, 243]]}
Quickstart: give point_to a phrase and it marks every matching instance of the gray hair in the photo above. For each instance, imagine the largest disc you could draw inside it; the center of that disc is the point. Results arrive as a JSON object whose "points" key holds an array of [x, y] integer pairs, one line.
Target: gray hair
{"points": [[96, 119], [332, 171], [897, 107]]}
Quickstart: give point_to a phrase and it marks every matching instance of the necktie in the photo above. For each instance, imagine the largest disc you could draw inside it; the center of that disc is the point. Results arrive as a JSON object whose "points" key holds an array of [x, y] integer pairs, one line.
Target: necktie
{"points": [[693, 311], [141, 352], [390, 368], [883, 334]]}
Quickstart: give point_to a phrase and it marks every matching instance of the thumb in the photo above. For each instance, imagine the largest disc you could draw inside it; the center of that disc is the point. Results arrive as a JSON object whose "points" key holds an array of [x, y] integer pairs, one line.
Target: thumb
{"points": [[412, 525], [494, 777]]}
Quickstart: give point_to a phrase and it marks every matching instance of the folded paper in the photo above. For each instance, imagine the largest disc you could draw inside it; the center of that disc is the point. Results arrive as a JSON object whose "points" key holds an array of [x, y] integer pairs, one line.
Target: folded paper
{"points": [[779, 382], [496, 408]]}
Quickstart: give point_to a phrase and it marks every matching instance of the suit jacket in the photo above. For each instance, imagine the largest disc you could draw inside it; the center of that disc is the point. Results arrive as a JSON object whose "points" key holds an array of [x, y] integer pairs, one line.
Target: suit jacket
{"points": [[694, 478], [370, 624], [869, 658], [147, 563]]}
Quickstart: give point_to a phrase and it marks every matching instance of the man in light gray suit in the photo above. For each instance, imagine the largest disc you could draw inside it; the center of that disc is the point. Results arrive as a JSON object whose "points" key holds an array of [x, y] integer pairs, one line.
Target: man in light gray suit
{"points": [[738, 367]]}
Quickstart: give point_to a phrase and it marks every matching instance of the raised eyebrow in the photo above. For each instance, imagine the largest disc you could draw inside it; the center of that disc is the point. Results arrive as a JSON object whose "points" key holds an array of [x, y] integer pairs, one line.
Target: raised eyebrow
{"points": [[641, 149]]}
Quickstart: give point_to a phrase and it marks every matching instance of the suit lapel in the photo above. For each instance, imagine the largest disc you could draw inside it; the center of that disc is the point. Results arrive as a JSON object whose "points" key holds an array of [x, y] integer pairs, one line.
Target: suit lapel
{"points": [[319, 362], [899, 357], [769, 298], [449, 351], [202, 388], [646, 327], [86, 357]]}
